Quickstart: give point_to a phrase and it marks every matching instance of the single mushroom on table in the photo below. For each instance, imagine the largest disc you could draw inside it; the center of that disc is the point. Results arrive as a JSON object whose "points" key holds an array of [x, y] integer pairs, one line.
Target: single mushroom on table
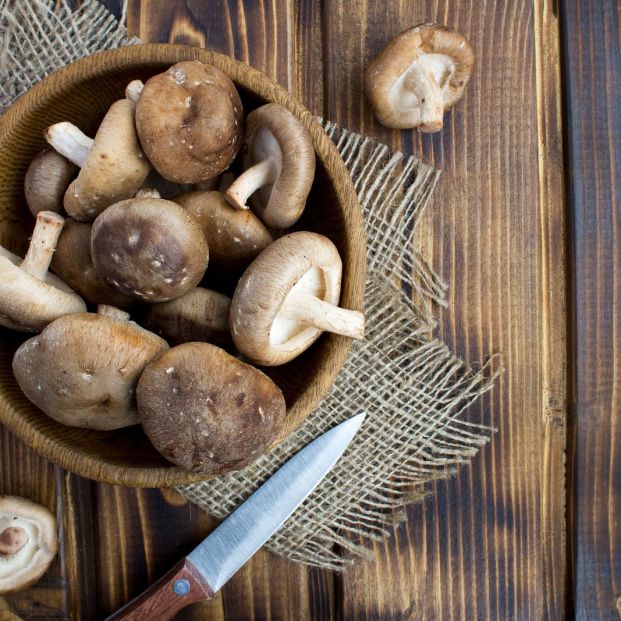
{"points": [[72, 261], [189, 120], [199, 315], [28, 543], [279, 162], [418, 76], [206, 411], [112, 167], [235, 237], [287, 297], [149, 249], [46, 181], [82, 370], [30, 296]]}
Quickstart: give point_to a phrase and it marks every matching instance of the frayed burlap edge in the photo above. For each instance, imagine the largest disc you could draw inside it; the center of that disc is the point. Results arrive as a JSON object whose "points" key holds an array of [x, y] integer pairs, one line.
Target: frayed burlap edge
{"points": [[412, 388], [410, 385], [40, 36]]}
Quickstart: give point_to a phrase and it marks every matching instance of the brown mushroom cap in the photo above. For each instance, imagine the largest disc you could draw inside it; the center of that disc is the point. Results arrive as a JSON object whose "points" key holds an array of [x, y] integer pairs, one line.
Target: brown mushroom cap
{"points": [[279, 159], [206, 411], [288, 295], [419, 75], [149, 248], [82, 369], [72, 261], [30, 296], [234, 236], [46, 180], [28, 543], [113, 168], [189, 120], [199, 315]]}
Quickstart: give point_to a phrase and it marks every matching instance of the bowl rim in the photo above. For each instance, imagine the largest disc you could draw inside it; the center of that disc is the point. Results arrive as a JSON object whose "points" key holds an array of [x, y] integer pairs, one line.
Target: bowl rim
{"points": [[258, 83]]}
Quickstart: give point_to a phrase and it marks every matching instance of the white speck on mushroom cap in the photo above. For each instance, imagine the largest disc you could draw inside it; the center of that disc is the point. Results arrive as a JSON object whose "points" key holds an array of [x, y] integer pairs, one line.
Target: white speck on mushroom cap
{"points": [[178, 75], [188, 101], [169, 370], [134, 237]]}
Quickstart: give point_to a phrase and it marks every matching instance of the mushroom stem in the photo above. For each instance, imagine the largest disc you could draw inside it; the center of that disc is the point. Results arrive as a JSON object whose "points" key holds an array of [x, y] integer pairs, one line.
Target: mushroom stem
{"points": [[42, 244], [312, 310], [12, 540], [133, 90], [69, 141], [424, 85], [112, 312], [253, 178]]}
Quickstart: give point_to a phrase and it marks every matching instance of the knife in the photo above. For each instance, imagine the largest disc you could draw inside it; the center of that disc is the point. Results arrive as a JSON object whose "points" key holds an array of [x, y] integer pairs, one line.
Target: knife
{"points": [[210, 565]]}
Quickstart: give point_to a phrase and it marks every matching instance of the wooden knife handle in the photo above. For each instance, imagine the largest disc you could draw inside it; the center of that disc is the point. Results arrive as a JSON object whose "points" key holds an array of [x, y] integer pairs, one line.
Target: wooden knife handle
{"points": [[181, 586]]}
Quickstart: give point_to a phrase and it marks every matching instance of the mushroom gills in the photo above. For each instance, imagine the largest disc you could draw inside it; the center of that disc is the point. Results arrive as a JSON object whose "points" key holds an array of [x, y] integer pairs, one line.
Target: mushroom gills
{"points": [[306, 309], [267, 158], [26, 550], [28, 543], [421, 88]]}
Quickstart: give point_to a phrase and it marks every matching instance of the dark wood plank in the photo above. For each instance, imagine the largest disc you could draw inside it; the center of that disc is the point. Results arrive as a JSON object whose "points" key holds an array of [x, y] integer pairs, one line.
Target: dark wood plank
{"points": [[489, 543], [592, 46]]}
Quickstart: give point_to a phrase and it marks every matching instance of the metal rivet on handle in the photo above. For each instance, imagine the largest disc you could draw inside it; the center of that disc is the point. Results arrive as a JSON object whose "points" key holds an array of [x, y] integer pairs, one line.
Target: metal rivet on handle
{"points": [[181, 587]]}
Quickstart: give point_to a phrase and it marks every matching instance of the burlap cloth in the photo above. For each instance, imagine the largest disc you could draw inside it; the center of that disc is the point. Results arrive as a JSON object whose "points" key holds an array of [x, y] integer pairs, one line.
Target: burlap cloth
{"points": [[411, 386]]}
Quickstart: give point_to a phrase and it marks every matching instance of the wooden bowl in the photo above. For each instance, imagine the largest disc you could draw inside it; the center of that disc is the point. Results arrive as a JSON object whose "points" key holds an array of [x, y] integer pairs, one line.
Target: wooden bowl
{"points": [[81, 93]]}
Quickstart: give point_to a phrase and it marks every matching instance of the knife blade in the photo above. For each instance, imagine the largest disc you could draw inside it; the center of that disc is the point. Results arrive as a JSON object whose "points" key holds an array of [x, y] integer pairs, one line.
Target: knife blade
{"points": [[214, 561]]}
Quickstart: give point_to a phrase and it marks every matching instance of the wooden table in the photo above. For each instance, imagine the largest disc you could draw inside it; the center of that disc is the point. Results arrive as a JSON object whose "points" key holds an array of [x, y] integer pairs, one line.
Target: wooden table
{"points": [[525, 226]]}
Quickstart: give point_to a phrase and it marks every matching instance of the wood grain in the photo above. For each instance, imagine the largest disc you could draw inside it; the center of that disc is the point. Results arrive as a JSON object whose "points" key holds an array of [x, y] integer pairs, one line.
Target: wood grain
{"points": [[476, 548], [592, 49], [531, 276]]}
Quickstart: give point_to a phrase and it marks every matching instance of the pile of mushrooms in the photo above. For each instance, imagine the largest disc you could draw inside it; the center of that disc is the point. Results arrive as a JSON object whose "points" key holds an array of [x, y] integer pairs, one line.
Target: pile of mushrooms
{"points": [[158, 236]]}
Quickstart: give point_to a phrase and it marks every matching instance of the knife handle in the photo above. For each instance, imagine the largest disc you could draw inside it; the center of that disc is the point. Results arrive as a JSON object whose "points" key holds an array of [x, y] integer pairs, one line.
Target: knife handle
{"points": [[181, 586]]}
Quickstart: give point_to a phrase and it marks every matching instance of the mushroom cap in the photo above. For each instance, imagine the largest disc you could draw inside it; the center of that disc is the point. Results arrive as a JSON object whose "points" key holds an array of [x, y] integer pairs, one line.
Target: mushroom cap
{"points": [[235, 236], [190, 120], [72, 261], [46, 180], [199, 315], [305, 261], [445, 53], [149, 248], [82, 369], [37, 547], [28, 304], [115, 166], [206, 411], [272, 130]]}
